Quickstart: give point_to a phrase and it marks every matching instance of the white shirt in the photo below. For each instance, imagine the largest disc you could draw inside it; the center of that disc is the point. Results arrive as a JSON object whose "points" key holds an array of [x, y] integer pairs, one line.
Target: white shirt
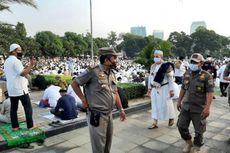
{"points": [[72, 93], [221, 74], [17, 85], [180, 72], [52, 94]]}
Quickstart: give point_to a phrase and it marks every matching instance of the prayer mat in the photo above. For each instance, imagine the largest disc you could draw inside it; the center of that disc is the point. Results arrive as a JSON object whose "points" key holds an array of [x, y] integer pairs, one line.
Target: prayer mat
{"points": [[21, 136]]}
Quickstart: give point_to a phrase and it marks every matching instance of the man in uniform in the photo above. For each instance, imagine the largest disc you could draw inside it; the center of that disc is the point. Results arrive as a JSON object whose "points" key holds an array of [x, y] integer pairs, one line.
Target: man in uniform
{"points": [[194, 103], [100, 95], [227, 77]]}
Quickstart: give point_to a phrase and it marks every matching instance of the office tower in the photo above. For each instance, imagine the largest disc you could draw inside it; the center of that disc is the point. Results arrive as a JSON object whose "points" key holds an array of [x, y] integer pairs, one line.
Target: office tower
{"points": [[197, 24], [140, 31], [158, 34]]}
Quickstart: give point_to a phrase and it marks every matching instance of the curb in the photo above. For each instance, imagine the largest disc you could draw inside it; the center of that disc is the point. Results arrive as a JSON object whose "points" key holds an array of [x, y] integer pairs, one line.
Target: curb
{"points": [[80, 123]]}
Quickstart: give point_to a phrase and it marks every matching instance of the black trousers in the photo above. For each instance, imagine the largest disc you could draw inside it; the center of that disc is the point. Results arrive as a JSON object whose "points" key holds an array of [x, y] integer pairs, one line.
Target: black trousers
{"points": [[223, 87], [178, 80], [25, 100]]}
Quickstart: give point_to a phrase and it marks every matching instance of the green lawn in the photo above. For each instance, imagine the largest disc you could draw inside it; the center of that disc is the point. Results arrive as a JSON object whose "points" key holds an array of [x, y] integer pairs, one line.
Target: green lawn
{"points": [[217, 91]]}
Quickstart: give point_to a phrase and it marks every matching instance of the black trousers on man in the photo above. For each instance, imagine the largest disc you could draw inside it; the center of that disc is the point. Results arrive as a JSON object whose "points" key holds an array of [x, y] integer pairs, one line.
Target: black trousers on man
{"points": [[25, 100], [223, 87]]}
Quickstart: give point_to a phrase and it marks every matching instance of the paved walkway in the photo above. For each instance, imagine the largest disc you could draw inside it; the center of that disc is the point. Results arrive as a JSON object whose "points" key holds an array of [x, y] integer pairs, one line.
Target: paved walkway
{"points": [[132, 136]]}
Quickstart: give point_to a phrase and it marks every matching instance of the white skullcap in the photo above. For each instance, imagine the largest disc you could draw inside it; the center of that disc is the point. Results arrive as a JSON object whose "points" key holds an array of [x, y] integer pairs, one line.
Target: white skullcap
{"points": [[158, 52], [14, 46]]}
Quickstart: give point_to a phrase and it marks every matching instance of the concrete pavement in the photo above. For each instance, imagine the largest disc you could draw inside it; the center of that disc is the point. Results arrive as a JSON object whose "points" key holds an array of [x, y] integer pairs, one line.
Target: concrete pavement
{"points": [[132, 136]]}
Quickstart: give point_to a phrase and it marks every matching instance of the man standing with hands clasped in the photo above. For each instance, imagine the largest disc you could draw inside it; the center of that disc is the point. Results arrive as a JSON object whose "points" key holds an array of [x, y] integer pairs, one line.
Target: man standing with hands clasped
{"points": [[17, 85], [100, 95], [194, 103]]}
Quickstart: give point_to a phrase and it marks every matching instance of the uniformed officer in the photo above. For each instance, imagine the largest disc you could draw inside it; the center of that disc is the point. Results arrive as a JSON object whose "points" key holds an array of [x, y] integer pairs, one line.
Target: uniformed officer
{"points": [[227, 77], [100, 95], [194, 102]]}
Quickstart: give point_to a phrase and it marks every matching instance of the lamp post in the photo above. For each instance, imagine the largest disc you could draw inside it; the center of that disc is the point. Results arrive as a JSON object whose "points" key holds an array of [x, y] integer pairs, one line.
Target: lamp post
{"points": [[91, 30]]}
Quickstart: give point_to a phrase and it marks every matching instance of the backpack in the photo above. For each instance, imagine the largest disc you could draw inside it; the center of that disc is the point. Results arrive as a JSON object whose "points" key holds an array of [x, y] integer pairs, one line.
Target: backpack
{"points": [[124, 100]]}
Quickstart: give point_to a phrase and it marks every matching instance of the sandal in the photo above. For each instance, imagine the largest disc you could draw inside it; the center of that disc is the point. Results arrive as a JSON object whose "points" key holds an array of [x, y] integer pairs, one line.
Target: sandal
{"points": [[171, 122], [153, 126]]}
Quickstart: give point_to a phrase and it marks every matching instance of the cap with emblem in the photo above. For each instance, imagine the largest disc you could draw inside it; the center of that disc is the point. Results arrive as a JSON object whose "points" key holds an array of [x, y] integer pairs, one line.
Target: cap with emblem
{"points": [[107, 51], [197, 57], [13, 47]]}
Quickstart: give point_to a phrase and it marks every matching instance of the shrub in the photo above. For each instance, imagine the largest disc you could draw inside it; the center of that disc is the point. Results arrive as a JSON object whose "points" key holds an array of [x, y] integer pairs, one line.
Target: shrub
{"points": [[131, 90]]}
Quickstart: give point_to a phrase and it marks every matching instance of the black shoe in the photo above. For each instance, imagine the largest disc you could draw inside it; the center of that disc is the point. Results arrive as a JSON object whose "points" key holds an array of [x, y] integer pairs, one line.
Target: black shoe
{"points": [[213, 97], [26, 146], [40, 142]]}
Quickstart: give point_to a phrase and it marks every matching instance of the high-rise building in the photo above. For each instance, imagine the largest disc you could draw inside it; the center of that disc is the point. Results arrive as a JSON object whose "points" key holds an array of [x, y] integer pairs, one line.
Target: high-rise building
{"points": [[158, 34], [197, 24], [140, 31]]}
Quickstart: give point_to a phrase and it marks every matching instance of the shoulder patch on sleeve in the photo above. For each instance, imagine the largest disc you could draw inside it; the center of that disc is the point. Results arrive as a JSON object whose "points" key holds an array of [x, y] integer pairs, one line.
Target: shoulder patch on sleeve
{"points": [[84, 72]]}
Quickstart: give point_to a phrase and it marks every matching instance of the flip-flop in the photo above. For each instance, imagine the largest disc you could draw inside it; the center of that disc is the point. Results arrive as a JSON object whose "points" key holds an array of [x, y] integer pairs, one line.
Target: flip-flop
{"points": [[153, 126], [53, 124]]}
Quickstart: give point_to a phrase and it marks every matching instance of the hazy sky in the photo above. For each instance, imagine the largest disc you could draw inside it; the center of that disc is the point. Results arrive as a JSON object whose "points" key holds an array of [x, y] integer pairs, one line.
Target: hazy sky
{"points": [[60, 16]]}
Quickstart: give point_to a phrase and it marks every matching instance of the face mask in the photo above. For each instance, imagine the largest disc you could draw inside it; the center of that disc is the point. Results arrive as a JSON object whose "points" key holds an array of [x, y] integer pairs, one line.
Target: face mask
{"points": [[193, 67], [113, 66], [19, 55], [157, 60]]}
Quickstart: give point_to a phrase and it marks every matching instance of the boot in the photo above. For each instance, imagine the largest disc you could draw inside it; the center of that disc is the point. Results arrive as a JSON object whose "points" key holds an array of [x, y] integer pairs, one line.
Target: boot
{"points": [[195, 149], [188, 146]]}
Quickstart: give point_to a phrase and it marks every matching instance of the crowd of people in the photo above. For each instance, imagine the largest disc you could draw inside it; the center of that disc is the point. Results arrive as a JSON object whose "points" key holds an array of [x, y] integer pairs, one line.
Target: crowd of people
{"points": [[189, 80]]}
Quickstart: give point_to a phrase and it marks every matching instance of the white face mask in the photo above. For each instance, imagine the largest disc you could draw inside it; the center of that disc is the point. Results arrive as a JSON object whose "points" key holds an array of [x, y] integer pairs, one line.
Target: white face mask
{"points": [[193, 67], [157, 60]]}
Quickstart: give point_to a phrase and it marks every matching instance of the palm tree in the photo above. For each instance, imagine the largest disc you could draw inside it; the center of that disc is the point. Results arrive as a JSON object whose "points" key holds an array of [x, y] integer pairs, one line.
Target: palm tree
{"points": [[4, 4]]}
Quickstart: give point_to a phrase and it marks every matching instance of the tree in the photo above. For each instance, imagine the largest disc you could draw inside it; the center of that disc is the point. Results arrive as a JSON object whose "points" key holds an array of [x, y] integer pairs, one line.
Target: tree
{"points": [[74, 44], [145, 57], [4, 4], [101, 42], [207, 42], [49, 43], [181, 43], [112, 38], [132, 44], [20, 30]]}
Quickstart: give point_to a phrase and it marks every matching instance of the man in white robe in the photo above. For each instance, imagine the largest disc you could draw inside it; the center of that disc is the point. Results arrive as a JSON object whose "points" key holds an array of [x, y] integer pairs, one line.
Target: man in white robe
{"points": [[161, 90]]}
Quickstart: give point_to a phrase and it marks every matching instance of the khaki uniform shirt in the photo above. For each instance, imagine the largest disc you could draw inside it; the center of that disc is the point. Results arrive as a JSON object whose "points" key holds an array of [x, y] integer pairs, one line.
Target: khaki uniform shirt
{"points": [[100, 88], [226, 74], [197, 85], [227, 70]]}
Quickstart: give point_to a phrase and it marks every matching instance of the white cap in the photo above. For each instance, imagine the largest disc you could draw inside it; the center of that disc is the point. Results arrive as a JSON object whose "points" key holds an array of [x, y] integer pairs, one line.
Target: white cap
{"points": [[14, 46]]}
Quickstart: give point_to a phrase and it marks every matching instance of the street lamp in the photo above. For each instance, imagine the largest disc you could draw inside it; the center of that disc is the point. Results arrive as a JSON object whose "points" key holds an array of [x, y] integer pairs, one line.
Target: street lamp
{"points": [[91, 31]]}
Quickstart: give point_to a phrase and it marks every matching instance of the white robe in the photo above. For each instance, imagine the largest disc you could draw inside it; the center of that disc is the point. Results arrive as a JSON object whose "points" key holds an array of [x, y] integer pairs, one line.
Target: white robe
{"points": [[162, 104]]}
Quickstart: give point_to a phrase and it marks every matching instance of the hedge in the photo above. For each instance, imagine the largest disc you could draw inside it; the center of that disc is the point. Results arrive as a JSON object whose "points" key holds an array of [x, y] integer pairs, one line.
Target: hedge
{"points": [[131, 90]]}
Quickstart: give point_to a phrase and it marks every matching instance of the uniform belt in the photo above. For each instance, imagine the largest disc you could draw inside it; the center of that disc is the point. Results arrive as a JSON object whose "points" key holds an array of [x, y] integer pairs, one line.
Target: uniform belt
{"points": [[160, 85], [98, 112]]}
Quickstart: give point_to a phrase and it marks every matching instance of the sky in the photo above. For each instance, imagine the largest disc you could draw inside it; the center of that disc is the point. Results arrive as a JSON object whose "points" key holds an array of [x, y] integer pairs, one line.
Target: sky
{"points": [[60, 16]]}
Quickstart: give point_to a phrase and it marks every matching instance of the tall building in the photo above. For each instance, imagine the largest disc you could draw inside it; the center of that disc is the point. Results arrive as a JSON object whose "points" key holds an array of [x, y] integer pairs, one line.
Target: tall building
{"points": [[140, 31], [158, 34], [197, 24]]}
